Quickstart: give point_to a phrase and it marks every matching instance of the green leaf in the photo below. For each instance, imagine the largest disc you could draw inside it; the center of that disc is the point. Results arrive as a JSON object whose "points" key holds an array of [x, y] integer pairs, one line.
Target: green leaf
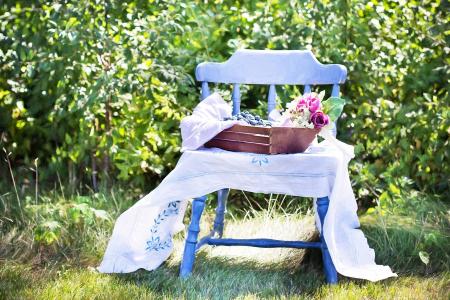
{"points": [[424, 257], [50, 237], [394, 189], [370, 211], [101, 214], [333, 107]]}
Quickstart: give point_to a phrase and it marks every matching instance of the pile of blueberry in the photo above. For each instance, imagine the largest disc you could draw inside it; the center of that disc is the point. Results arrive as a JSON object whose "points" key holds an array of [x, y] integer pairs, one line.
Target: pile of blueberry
{"points": [[254, 120]]}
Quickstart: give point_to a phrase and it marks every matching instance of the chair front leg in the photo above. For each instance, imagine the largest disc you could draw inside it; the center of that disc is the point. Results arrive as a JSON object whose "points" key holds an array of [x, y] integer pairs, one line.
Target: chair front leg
{"points": [[188, 260], [328, 266]]}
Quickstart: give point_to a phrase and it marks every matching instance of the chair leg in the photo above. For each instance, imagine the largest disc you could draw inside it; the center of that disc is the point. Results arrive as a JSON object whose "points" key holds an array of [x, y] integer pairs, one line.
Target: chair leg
{"points": [[328, 266], [188, 260], [222, 196]]}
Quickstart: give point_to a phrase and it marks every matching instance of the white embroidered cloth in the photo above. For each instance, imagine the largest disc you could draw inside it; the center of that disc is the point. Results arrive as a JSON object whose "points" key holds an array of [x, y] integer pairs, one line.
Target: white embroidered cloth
{"points": [[142, 236]]}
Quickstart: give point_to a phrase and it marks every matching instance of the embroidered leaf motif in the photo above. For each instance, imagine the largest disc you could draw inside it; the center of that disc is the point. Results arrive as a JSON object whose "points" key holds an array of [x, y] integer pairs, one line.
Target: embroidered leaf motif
{"points": [[260, 159], [155, 243]]}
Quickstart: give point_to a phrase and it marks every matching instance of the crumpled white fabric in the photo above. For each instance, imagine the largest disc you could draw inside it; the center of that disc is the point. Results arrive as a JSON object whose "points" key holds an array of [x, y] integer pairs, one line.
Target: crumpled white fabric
{"points": [[142, 236], [203, 124]]}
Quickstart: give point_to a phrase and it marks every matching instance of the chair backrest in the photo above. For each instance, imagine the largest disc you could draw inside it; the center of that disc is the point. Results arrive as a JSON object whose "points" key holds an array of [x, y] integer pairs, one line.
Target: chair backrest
{"points": [[271, 67]]}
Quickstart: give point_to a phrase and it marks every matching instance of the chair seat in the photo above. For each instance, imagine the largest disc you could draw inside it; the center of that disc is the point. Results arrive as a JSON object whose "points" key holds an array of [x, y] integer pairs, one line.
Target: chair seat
{"points": [[309, 174]]}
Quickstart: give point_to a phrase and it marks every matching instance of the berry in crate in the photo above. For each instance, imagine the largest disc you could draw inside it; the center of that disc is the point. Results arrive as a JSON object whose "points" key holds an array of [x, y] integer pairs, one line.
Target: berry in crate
{"points": [[250, 119]]}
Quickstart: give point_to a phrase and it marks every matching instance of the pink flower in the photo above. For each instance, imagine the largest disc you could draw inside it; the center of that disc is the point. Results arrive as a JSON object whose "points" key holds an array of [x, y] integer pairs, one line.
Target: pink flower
{"points": [[319, 119], [313, 103], [302, 104]]}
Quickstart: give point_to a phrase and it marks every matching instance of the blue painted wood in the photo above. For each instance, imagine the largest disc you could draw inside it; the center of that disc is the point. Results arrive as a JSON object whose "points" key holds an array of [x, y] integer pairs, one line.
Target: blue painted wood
{"points": [[328, 266], [187, 263], [264, 243], [204, 241], [335, 90], [205, 90], [236, 98], [271, 99], [307, 89], [298, 67], [222, 196]]}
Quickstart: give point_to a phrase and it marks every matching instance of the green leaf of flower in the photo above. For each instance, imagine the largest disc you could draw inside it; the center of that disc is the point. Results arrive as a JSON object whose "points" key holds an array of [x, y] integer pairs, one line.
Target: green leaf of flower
{"points": [[333, 107]]}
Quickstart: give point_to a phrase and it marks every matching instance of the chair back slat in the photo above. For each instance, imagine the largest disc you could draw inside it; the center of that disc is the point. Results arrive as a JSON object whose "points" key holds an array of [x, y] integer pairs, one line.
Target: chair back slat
{"points": [[335, 90], [236, 98], [271, 99], [307, 89], [205, 90]]}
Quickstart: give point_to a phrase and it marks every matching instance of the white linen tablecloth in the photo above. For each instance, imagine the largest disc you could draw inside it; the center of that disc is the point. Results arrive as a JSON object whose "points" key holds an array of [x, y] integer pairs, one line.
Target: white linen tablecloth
{"points": [[142, 236]]}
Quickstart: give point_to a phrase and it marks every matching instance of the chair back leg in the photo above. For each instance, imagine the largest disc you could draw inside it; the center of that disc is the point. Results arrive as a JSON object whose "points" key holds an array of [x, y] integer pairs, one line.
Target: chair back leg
{"points": [[328, 266], [222, 196], [187, 263]]}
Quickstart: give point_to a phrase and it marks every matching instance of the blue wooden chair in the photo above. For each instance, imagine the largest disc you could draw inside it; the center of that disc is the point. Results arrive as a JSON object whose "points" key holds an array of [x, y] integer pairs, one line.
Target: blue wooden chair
{"points": [[271, 67]]}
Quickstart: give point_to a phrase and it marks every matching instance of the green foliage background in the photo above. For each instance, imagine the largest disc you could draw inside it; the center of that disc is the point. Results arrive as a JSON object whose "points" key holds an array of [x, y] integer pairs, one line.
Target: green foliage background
{"points": [[102, 85]]}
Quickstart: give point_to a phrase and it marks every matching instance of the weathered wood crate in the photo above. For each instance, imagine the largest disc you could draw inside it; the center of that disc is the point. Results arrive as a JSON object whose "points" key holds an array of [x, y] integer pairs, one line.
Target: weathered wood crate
{"points": [[264, 140]]}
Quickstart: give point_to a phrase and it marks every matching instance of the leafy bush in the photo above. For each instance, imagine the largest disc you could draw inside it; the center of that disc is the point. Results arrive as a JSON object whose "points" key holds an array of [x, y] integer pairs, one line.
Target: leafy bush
{"points": [[58, 228], [92, 89], [86, 84], [56, 221]]}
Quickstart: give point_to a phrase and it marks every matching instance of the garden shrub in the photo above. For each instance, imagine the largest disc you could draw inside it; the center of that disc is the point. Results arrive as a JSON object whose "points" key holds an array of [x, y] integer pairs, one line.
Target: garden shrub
{"points": [[88, 86]]}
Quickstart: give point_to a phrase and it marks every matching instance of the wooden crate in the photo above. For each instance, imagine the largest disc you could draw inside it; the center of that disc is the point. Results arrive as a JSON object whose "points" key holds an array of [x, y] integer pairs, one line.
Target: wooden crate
{"points": [[264, 140]]}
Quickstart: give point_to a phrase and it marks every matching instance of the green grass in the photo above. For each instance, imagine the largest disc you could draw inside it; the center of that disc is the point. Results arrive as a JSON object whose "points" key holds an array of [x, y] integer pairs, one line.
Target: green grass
{"points": [[214, 278], [65, 268]]}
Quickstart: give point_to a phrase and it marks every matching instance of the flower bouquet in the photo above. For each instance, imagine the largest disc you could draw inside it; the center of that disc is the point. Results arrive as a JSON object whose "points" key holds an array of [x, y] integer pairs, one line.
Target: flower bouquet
{"points": [[311, 111]]}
